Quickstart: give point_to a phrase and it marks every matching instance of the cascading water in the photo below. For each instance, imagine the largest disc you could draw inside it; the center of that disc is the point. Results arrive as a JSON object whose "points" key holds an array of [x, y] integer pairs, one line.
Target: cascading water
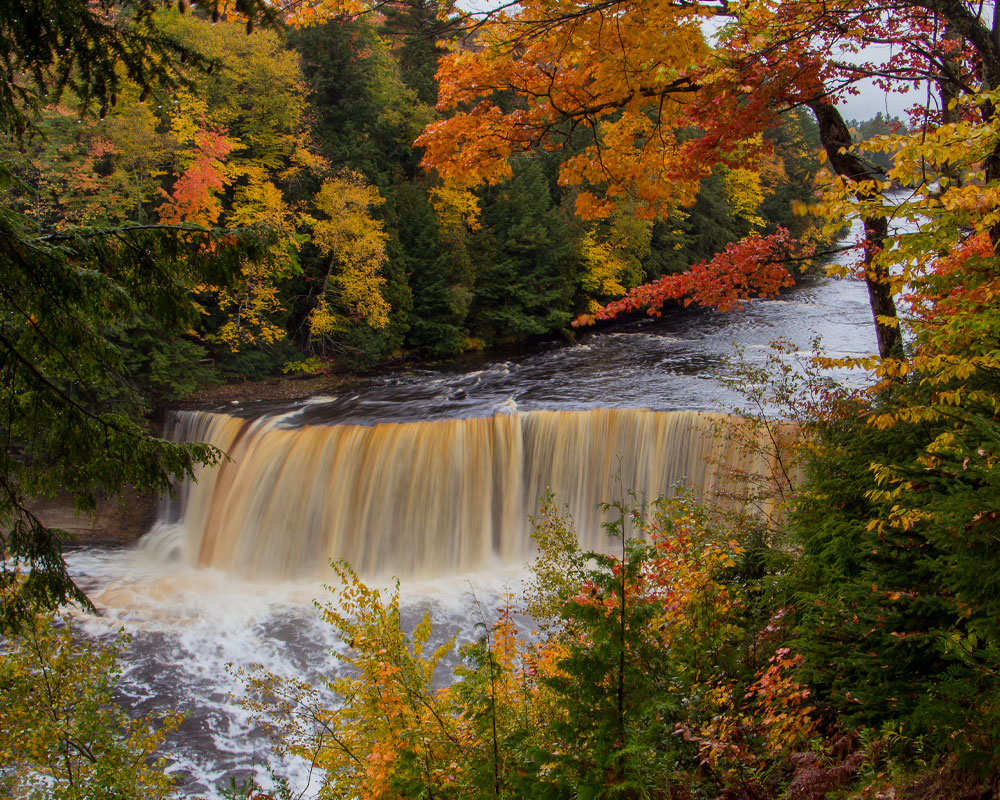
{"points": [[428, 499], [359, 476]]}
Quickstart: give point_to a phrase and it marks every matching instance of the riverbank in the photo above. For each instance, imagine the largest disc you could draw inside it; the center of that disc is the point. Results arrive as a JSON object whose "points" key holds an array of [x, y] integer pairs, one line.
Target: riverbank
{"points": [[269, 389], [677, 321]]}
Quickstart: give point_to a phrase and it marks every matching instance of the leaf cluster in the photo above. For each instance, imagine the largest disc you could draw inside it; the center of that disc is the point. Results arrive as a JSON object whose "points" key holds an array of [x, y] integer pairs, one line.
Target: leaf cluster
{"points": [[62, 737]]}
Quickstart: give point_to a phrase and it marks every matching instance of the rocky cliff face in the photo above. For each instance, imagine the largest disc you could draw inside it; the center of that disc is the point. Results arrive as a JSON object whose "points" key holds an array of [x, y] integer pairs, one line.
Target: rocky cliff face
{"points": [[115, 521]]}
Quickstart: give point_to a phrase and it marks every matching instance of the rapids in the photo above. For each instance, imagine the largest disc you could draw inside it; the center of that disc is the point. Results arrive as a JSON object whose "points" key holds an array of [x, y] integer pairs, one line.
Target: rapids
{"points": [[428, 474]]}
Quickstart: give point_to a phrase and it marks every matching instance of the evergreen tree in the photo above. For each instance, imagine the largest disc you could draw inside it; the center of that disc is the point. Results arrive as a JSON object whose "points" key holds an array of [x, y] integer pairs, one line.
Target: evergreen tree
{"points": [[438, 315], [50, 46], [695, 234], [68, 417], [524, 279], [416, 28], [364, 117]]}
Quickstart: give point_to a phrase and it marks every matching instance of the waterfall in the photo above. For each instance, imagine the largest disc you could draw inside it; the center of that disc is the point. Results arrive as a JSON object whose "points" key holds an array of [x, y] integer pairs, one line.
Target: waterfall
{"points": [[424, 499]]}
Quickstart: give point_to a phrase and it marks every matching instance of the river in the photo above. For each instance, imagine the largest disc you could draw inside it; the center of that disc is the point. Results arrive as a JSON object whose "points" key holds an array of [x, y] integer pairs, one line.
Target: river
{"points": [[192, 624]]}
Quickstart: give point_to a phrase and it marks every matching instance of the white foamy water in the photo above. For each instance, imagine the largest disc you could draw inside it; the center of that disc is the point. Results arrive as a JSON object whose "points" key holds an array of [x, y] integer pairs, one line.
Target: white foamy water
{"points": [[191, 628]]}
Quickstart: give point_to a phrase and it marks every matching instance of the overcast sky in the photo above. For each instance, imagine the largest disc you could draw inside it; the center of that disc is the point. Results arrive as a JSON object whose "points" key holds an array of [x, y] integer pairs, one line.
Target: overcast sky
{"points": [[872, 99]]}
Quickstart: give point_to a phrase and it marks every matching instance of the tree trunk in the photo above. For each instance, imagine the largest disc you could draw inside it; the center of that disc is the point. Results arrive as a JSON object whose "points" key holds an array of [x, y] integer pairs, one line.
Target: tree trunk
{"points": [[836, 138], [983, 34]]}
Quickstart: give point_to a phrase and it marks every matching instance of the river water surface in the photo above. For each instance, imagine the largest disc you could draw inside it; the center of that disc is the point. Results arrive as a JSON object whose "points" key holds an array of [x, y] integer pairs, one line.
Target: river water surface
{"points": [[192, 626]]}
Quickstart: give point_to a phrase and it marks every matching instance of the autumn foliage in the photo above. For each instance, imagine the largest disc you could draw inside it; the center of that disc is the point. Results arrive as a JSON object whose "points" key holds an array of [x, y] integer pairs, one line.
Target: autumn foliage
{"points": [[859, 639], [630, 82], [354, 242], [637, 677], [750, 268], [194, 197], [61, 733]]}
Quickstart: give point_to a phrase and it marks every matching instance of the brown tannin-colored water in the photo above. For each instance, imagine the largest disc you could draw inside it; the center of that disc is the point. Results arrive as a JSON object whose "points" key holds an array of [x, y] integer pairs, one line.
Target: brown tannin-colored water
{"points": [[425, 499]]}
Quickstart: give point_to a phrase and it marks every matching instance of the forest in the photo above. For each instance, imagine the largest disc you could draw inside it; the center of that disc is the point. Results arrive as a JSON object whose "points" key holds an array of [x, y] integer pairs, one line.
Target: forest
{"points": [[230, 190], [311, 132]]}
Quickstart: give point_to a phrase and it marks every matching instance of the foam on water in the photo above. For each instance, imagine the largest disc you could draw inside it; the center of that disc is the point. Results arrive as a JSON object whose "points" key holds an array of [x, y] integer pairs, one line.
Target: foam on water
{"points": [[192, 628]]}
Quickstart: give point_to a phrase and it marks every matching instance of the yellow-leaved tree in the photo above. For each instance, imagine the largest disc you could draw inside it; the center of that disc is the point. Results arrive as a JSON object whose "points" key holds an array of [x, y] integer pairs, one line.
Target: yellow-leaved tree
{"points": [[744, 194], [388, 724], [354, 242], [455, 207], [253, 302], [61, 734], [602, 269], [611, 252]]}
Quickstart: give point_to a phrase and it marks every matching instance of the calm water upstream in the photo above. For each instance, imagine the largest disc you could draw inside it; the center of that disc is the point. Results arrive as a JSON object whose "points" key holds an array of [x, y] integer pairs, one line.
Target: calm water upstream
{"points": [[190, 622]]}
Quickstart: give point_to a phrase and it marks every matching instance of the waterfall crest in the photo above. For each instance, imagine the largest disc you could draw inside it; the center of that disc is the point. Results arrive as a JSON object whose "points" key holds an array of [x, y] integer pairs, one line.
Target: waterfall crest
{"points": [[424, 499]]}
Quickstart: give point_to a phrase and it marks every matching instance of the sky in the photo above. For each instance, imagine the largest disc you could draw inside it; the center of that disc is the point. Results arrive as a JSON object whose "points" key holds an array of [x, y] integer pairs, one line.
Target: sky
{"points": [[872, 100]]}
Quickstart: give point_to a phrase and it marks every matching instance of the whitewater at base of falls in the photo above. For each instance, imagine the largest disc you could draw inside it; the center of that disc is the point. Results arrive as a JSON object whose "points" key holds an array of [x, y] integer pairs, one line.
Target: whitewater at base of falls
{"points": [[229, 575], [426, 499], [192, 628]]}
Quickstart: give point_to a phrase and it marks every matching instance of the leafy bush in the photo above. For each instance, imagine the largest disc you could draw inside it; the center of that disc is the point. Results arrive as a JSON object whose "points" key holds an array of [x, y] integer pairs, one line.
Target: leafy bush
{"points": [[62, 737]]}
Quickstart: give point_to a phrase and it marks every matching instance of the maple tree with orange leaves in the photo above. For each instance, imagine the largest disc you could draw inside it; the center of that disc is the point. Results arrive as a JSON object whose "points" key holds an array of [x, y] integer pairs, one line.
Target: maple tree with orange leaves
{"points": [[660, 107]]}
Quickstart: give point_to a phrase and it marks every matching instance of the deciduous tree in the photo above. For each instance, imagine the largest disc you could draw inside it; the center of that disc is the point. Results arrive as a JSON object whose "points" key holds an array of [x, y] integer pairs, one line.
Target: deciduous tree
{"points": [[662, 108], [64, 424], [353, 242], [62, 737]]}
